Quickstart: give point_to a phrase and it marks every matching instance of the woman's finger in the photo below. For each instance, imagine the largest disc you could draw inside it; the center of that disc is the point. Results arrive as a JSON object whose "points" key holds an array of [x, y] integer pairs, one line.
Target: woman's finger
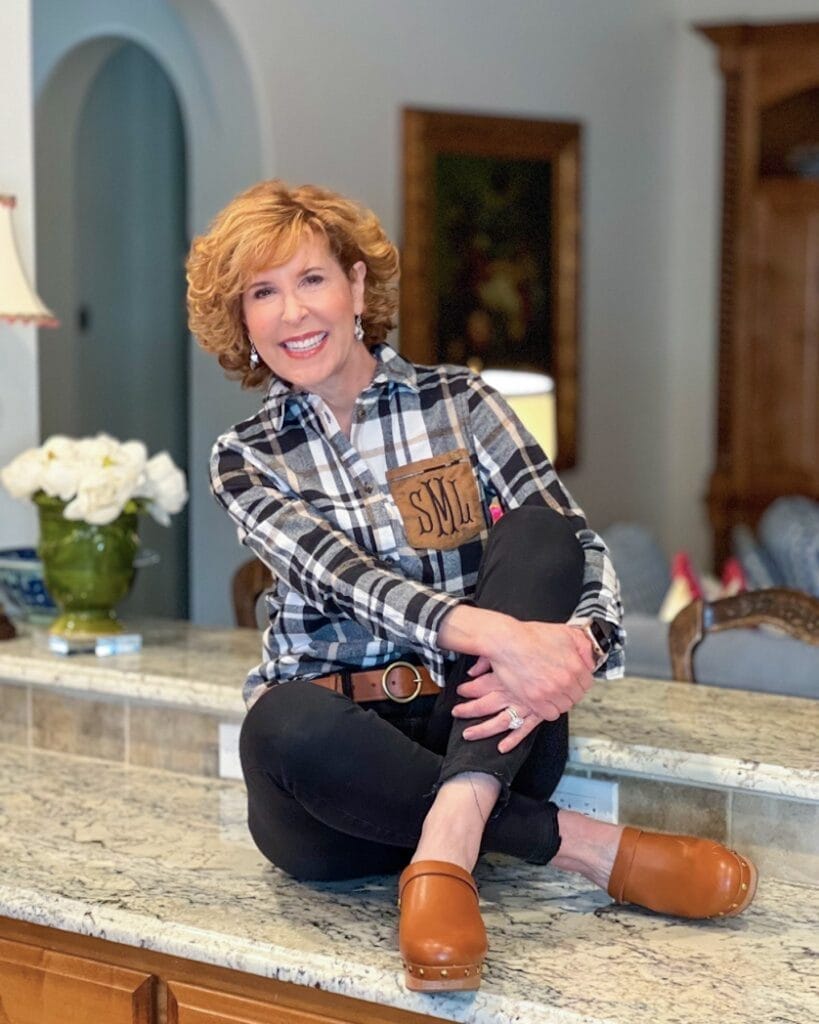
{"points": [[510, 741], [489, 704], [546, 699], [481, 666], [546, 711], [491, 727], [478, 687]]}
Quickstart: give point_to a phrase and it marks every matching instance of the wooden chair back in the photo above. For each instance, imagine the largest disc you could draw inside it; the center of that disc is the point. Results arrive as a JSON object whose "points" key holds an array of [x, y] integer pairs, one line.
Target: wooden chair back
{"points": [[250, 581], [792, 611]]}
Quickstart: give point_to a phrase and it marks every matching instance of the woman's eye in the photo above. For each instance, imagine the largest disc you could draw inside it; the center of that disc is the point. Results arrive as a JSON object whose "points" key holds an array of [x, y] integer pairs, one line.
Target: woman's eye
{"points": [[262, 293], [313, 279]]}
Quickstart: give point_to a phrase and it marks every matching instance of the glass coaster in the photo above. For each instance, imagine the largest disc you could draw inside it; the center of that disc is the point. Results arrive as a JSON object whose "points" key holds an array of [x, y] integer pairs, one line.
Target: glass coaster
{"points": [[102, 646]]}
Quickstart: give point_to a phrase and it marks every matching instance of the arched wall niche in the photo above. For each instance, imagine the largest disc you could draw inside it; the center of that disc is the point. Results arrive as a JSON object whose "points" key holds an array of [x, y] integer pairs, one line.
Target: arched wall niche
{"points": [[228, 146]]}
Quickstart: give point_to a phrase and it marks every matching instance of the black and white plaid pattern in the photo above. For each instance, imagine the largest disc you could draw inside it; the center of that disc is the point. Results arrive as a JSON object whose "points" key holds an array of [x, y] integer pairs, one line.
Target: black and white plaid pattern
{"points": [[315, 507]]}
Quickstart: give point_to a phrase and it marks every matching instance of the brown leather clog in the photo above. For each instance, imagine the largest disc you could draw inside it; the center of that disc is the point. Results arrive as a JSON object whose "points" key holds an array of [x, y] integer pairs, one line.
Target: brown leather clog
{"points": [[441, 934], [681, 875]]}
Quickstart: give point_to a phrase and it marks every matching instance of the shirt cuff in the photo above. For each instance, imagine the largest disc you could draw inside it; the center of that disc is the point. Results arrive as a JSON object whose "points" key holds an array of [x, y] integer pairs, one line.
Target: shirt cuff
{"points": [[427, 615]]}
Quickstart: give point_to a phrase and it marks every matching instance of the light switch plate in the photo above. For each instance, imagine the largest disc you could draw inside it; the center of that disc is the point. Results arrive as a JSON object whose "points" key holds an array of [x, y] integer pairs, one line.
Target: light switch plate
{"points": [[595, 797], [229, 765]]}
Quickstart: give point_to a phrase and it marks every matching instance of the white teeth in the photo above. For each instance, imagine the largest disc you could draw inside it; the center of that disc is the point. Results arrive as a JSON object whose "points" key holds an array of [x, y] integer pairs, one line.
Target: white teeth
{"points": [[304, 344]]}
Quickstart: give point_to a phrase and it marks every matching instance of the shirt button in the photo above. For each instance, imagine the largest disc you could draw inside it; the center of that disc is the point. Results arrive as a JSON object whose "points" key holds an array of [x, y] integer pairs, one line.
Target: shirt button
{"points": [[361, 414], [368, 488]]}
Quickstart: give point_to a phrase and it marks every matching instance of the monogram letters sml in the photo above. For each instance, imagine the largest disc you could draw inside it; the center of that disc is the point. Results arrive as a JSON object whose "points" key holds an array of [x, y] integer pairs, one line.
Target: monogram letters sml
{"points": [[438, 500], [441, 509]]}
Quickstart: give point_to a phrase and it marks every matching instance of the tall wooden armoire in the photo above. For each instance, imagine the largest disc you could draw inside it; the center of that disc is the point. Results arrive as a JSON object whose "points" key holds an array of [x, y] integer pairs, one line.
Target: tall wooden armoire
{"points": [[768, 381]]}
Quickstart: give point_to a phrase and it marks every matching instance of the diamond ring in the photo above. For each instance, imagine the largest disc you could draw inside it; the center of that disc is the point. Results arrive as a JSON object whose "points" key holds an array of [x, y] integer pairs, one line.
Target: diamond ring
{"points": [[515, 721]]}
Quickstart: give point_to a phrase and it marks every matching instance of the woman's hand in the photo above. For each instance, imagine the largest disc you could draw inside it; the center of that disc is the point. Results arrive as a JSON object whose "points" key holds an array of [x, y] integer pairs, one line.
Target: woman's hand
{"points": [[486, 698], [540, 669]]}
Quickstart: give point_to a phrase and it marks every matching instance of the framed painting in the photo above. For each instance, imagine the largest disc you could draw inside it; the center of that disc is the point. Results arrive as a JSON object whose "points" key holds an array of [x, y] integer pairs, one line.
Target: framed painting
{"points": [[490, 259]]}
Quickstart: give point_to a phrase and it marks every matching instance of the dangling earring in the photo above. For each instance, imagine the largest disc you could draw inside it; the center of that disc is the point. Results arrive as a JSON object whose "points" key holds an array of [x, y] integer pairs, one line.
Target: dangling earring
{"points": [[358, 330], [254, 359]]}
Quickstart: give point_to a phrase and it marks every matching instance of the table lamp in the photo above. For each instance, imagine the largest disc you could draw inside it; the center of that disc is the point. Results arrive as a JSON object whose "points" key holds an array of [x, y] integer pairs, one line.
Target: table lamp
{"points": [[19, 303], [18, 300], [532, 398]]}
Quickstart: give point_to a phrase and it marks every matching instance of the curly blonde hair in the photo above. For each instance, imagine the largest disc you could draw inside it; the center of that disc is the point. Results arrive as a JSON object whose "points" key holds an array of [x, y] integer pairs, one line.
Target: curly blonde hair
{"points": [[262, 228]]}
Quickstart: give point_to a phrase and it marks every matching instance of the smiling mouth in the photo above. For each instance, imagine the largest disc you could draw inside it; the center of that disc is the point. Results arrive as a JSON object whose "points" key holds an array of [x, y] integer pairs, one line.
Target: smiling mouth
{"points": [[304, 345]]}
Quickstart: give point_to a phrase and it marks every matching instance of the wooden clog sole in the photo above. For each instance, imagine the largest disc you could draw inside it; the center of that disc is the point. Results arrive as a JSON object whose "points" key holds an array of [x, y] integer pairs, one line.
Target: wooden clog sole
{"points": [[423, 978], [749, 878]]}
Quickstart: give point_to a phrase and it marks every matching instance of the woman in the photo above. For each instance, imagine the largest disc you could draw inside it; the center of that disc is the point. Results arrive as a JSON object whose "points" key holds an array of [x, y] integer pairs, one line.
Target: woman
{"points": [[411, 708]]}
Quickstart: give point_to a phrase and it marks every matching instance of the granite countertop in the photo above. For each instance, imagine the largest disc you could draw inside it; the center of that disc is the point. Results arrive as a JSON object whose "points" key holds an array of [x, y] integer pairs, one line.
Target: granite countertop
{"points": [[164, 861], [703, 734], [180, 664], [700, 734]]}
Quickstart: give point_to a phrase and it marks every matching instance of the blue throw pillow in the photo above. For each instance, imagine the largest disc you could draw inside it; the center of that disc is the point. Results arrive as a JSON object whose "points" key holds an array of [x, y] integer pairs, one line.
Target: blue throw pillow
{"points": [[760, 570], [641, 567], [789, 530]]}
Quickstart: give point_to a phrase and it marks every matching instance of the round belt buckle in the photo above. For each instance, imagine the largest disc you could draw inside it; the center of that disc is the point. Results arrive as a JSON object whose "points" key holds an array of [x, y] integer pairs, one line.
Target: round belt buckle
{"points": [[415, 672]]}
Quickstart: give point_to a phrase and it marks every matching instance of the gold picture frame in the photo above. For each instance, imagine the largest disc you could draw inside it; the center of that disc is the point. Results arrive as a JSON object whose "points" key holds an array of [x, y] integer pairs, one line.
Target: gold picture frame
{"points": [[491, 248]]}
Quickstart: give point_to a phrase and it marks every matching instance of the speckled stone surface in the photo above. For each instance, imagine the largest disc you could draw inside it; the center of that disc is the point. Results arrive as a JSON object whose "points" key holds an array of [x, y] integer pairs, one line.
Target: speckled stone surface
{"points": [[180, 664], [704, 734], [676, 731], [163, 861]]}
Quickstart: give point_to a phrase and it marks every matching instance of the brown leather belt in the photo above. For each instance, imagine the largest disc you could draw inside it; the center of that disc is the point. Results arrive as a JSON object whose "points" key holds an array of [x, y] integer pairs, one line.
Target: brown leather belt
{"points": [[400, 681]]}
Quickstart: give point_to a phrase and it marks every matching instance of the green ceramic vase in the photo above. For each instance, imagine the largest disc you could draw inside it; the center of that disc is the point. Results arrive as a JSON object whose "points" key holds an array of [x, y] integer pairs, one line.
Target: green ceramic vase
{"points": [[87, 569]]}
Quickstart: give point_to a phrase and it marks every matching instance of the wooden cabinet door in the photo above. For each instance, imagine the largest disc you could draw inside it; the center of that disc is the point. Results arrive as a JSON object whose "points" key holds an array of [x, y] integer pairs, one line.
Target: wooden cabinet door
{"points": [[38, 986], [192, 1004], [780, 365]]}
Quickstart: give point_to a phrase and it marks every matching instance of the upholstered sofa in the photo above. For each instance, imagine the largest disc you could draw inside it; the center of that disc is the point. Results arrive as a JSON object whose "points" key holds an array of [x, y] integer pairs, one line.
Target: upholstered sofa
{"points": [[784, 551]]}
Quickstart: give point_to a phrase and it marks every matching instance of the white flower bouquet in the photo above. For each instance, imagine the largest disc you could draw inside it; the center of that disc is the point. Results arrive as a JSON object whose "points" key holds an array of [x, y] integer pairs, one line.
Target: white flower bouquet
{"points": [[99, 478]]}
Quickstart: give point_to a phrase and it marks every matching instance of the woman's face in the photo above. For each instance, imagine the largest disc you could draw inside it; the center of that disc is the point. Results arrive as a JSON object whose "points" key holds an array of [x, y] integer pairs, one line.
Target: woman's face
{"points": [[301, 317]]}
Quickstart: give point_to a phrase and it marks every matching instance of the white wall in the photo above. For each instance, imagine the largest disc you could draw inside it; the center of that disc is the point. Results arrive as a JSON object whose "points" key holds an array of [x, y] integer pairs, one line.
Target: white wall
{"points": [[18, 352]]}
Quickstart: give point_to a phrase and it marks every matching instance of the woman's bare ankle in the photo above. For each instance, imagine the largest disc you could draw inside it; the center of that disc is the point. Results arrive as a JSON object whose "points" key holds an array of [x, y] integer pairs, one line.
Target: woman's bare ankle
{"points": [[588, 846], [453, 828]]}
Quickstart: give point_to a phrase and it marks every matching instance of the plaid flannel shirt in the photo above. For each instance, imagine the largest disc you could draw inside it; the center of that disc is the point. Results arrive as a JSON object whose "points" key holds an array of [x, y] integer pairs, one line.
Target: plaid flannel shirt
{"points": [[349, 591]]}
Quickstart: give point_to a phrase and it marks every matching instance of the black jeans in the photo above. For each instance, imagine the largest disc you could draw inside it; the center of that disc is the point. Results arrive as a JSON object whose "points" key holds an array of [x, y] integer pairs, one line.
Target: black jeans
{"points": [[340, 790]]}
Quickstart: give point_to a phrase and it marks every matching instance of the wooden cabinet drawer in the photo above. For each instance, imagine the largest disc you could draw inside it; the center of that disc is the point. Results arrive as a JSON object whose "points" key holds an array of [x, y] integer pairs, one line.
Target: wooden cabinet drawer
{"points": [[191, 1004], [38, 986]]}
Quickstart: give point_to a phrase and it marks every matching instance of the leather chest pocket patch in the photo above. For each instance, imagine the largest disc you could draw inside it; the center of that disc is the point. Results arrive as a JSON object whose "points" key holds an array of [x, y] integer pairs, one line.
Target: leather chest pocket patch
{"points": [[438, 500]]}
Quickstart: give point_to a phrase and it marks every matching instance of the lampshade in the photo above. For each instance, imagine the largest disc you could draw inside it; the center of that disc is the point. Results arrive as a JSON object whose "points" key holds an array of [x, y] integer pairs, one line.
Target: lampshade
{"points": [[532, 398], [18, 300]]}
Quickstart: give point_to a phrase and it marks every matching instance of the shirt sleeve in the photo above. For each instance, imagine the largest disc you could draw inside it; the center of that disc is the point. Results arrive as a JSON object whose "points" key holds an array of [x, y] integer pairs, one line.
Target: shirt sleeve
{"points": [[512, 462], [320, 562]]}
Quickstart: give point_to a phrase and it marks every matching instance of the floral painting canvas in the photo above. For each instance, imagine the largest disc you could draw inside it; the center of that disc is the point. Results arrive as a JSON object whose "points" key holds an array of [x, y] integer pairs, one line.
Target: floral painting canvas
{"points": [[490, 255], [492, 261]]}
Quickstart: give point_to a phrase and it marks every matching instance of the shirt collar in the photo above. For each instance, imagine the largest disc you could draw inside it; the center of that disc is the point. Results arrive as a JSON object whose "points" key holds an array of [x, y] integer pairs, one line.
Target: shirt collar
{"points": [[391, 368]]}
